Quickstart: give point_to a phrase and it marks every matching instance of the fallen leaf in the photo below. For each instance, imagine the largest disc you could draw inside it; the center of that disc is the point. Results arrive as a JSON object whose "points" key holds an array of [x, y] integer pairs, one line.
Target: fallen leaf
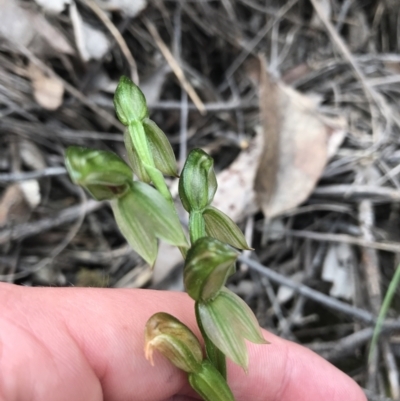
{"points": [[17, 202], [31, 29], [91, 43], [129, 7], [31, 155], [339, 269], [47, 91], [53, 6], [235, 195], [298, 142]]}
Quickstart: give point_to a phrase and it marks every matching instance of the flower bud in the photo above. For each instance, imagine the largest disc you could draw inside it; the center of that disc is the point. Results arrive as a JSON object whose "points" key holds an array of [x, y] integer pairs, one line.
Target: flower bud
{"points": [[174, 340], [103, 174], [208, 264], [209, 384], [129, 102], [198, 184], [228, 321]]}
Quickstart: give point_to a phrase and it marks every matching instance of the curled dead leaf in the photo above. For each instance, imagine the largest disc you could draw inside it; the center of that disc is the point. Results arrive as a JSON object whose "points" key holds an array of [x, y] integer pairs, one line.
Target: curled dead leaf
{"points": [[298, 142]]}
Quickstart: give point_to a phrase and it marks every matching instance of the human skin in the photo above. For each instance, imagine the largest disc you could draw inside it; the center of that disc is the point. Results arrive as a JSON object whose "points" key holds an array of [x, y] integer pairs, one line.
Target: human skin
{"points": [[75, 344]]}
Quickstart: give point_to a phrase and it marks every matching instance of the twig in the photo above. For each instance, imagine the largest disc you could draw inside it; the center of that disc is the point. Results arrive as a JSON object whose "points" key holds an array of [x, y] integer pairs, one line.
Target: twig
{"points": [[336, 350], [176, 68], [375, 397], [383, 246], [332, 303], [352, 192], [117, 36], [26, 230], [30, 175]]}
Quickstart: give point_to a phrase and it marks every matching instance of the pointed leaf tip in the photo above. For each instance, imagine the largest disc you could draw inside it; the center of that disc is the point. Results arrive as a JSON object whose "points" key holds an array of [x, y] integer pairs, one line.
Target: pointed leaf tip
{"points": [[228, 321], [222, 227]]}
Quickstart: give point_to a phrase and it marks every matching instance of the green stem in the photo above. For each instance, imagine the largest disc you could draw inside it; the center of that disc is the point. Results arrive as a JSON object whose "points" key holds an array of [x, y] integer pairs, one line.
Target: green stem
{"points": [[197, 227], [383, 311], [216, 357]]}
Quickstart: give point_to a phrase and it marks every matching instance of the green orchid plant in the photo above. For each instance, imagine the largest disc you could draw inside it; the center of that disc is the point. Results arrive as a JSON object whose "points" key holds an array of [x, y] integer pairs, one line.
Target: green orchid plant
{"points": [[144, 211]]}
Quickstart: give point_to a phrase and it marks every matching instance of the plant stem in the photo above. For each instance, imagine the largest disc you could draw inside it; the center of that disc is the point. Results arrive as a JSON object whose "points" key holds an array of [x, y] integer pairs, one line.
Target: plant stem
{"points": [[197, 228], [384, 309], [216, 357]]}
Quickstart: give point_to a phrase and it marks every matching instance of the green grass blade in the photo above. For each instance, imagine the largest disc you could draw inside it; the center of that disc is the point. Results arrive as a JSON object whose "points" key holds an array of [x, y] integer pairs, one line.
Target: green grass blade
{"points": [[384, 309]]}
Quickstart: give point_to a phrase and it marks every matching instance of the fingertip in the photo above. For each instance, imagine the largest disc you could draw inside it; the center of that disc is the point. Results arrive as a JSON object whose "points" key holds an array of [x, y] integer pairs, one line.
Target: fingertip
{"points": [[286, 371]]}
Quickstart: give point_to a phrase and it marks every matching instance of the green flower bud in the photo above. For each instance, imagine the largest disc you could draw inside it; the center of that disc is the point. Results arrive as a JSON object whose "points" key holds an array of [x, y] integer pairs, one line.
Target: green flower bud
{"points": [[143, 215], [103, 174], [209, 384], [174, 340], [228, 321], [218, 225], [198, 184], [208, 264], [129, 102]]}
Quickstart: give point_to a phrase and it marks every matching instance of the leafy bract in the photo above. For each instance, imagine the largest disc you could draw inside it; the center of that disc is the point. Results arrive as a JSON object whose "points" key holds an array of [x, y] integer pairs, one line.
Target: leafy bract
{"points": [[228, 321], [220, 226], [143, 215], [161, 150]]}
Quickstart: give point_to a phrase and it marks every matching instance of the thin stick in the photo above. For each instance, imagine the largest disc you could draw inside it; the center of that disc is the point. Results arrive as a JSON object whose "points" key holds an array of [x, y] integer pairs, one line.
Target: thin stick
{"points": [[176, 68], [316, 296], [117, 36]]}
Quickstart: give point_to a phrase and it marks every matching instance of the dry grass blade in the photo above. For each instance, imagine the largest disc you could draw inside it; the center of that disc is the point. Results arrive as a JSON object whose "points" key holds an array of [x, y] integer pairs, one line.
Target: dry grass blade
{"points": [[117, 36], [176, 68]]}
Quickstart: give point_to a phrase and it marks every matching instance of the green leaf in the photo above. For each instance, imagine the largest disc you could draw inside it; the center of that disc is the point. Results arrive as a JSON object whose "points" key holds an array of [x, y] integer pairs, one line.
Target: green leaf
{"points": [[207, 266], [174, 340], [143, 215], [136, 164], [228, 321], [222, 227], [129, 102], [198, 184], [210, 384], [161, 150], [103, 174]]}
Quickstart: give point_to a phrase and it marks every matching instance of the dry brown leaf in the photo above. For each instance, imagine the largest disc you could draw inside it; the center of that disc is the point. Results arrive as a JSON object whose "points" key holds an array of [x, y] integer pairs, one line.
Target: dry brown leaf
{"points": [[297, 144], [235, 195], [17, 202], [47, 91]]}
